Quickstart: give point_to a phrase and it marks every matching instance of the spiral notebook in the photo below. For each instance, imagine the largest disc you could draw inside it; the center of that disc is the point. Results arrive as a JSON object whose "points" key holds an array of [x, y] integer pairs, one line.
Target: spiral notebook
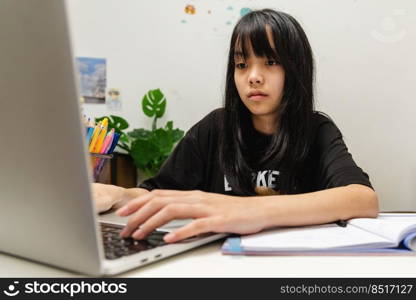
{"points": [[387, 234]]}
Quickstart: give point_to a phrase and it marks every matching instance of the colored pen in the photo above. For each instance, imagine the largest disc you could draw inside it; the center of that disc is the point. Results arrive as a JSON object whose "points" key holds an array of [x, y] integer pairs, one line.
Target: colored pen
{"points": [[100, 139], [105, 122], [114, 144], [89, 134], [97, 130], [107, 142]]}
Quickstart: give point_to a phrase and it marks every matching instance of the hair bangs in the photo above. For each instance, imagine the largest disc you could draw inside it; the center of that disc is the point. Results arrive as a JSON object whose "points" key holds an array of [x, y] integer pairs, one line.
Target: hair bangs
{"points": [[252, 36]]}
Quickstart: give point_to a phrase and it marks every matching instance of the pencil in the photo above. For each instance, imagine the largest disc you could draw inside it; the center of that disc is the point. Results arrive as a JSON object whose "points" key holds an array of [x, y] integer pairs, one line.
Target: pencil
{"points": [[100, 140], [95, 134]]}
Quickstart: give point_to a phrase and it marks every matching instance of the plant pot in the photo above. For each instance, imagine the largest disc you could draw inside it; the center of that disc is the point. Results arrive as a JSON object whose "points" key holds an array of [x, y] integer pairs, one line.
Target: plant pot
{"points": [[123, 171]]}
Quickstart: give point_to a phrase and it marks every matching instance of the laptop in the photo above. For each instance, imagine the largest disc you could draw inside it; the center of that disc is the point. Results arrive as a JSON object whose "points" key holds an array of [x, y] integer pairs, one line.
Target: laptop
{"points": [[47, 213]]}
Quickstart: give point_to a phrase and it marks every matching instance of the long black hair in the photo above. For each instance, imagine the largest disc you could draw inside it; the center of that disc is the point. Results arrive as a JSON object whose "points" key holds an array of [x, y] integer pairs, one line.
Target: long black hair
{"points": [[290, 144]]}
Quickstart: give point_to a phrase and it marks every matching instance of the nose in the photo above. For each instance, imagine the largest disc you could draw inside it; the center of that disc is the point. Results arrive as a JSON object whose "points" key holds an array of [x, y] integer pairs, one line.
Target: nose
{"points": [[255, 78]]}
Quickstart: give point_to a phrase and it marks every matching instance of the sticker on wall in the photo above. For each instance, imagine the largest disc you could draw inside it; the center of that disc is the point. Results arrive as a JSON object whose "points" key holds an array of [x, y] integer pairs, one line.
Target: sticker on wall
{"points": [[244, 11], [217, 17], [93, 79], [113, 100], [190, 9]]}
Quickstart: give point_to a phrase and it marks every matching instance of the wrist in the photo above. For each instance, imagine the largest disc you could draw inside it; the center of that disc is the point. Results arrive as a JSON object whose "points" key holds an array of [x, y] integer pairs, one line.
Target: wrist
{"points": [[128, 194], [271, 211]]}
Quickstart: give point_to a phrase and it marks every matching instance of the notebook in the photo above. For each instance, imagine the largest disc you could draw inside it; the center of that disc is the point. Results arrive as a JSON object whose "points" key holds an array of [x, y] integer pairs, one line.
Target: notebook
{"points": [[388, 234], [47, 213]]}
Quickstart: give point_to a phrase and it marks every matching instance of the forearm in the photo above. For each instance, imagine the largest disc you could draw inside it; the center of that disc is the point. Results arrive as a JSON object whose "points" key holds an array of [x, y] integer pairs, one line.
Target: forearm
{"points": [[342, 203]]}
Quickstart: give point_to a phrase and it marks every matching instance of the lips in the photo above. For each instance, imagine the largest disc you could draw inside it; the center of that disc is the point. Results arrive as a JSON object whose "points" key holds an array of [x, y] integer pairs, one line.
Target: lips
{"points": [[256, 95]]}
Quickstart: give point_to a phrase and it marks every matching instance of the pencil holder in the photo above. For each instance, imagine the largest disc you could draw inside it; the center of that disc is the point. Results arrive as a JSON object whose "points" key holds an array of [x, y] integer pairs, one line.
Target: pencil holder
{"points": [[100, 164]]}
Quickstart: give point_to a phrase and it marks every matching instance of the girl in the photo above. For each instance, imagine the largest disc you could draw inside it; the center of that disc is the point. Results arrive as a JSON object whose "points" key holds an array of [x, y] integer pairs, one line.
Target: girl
{"points": [[266, 159]]}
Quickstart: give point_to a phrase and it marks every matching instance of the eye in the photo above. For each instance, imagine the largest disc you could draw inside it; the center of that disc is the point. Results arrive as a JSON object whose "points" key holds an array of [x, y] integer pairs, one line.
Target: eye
{"points": [[240, 65], [271, 62]]}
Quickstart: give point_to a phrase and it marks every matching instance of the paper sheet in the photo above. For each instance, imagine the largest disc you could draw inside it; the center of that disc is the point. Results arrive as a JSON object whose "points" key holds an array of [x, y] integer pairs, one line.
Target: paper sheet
{"points": [[318, 237]]}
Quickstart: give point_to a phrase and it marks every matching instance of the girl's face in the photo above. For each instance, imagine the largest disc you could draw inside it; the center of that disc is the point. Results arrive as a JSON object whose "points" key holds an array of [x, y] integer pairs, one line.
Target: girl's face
{"points": [[259, 81]]}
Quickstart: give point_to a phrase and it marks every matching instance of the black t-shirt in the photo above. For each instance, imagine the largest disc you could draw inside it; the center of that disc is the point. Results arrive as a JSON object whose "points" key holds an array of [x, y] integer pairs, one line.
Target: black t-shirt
{"points": [[194, 163]]}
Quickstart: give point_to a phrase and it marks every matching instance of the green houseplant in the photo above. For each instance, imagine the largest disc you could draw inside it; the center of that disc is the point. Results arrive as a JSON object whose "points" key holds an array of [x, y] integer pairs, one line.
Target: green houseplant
{"points": [[148, 148]]}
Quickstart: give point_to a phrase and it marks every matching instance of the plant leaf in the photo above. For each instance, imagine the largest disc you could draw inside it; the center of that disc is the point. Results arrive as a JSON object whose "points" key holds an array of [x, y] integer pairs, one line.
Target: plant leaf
{"points": [[118, 123], [177, 134], [140, 133], [144, 152], [123, 138], [154, 103], [169, 125], [163, 140]]}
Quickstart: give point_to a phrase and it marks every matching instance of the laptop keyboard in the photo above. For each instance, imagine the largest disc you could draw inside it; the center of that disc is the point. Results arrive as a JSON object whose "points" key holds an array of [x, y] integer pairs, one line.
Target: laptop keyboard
{"points": [[116, 246]]}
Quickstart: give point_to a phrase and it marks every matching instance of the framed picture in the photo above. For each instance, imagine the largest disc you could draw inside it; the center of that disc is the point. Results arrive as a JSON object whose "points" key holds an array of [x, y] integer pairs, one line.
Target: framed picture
{"points": [[93, 79]]}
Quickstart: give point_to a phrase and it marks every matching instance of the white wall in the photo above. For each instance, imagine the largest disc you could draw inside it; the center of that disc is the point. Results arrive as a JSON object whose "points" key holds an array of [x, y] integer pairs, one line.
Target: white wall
{"points": [[364, 53]]}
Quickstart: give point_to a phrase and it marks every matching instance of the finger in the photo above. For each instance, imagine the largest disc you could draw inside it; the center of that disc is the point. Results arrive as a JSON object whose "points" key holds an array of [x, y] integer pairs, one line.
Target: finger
{"points": [[194, 228], [135, 204], [148, 210], [168, 213], [153, 205]]}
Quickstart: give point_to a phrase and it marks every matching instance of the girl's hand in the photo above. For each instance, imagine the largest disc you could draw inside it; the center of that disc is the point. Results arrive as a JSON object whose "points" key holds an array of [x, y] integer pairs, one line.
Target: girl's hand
{"points": [[107, 196], [211, 213]]}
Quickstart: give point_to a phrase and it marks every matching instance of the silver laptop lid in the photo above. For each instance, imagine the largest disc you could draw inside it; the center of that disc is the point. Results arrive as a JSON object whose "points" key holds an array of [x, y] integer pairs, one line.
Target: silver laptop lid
{"points": [[46, 212]]}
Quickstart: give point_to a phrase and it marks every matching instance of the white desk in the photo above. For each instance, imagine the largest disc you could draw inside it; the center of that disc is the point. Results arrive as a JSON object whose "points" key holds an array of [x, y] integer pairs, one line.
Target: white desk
{"points": [[207, 261]]}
